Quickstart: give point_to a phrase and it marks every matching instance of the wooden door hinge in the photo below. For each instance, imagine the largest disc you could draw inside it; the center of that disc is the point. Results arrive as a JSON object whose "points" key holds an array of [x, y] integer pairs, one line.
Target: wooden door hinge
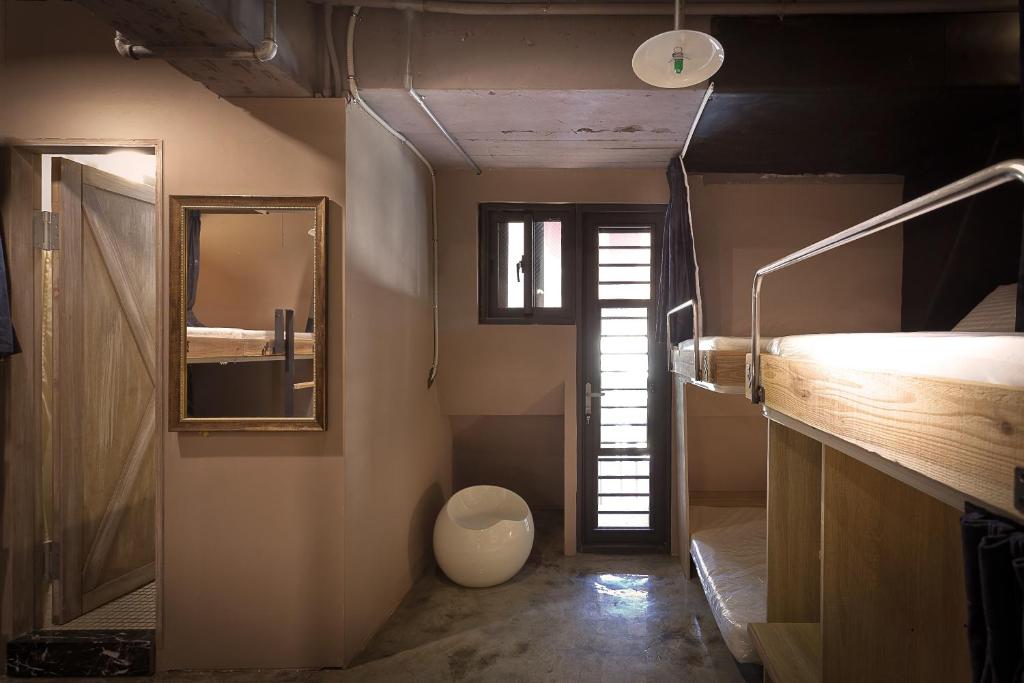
{"points": [[51, 560]]}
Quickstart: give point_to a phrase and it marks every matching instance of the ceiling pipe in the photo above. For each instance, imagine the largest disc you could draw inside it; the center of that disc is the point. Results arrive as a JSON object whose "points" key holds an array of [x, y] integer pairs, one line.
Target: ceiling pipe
{"points": [[421, 101], [692, 9], [444, 131], [265, 51]]}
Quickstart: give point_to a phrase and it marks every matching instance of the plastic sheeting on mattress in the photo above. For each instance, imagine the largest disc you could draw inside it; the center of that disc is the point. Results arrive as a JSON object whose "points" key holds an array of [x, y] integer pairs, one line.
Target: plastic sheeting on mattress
{"points": [[730, 553], [721, 344]]}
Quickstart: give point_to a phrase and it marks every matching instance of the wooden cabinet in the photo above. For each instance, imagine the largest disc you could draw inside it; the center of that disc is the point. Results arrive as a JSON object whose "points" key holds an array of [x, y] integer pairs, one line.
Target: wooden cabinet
{"points": [[865, 573]]}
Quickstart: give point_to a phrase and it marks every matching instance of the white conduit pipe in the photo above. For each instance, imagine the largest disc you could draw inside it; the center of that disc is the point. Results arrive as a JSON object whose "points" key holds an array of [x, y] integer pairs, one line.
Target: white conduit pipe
{"points": [[353, 89], [693, 9], [332, 52]]}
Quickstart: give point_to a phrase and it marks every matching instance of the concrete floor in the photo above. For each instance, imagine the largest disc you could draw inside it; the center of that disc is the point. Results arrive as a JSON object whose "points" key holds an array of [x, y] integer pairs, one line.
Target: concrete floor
{"points": [[587, 618]]}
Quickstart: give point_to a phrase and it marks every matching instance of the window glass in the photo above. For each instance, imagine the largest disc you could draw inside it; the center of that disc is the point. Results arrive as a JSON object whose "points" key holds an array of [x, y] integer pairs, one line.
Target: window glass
{"points": [[547, 264], [511, 257], [527, 264]]}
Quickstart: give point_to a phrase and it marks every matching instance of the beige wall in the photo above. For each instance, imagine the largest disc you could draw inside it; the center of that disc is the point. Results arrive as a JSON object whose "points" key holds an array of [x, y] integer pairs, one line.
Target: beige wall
{"points": [[516, 370], [252, 538], [397, 444], [276, 550], [740, 223], [252, 264], [523, 453]]}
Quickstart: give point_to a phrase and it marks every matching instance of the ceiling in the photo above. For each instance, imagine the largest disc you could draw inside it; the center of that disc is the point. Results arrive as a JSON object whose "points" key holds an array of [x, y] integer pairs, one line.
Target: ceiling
{"points": [[797, 94], [545, 128]]}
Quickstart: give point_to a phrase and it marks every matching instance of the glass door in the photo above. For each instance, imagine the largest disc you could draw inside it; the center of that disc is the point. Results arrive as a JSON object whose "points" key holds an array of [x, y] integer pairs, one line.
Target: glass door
{"points": [[623, 382]]}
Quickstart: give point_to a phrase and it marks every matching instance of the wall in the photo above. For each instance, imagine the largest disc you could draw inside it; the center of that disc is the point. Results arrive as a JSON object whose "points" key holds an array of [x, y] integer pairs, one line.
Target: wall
{"points": [[742, 222], [523, 453], [512, 377], [397, 444], [252, 264], [524, 375], [252, 538]]}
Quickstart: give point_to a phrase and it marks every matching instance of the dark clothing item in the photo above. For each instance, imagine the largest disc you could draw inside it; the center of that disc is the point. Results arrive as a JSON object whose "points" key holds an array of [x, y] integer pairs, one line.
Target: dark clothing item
{"points": [[193, 225], [677, 282], [8, 337], [994, 575]]}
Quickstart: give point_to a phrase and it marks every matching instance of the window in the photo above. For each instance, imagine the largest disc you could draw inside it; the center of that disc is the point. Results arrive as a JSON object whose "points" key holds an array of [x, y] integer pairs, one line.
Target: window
{"points": [[527, 263]]}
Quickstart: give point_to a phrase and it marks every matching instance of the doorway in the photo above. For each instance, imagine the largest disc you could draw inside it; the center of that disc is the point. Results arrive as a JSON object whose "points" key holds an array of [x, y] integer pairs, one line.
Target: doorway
{"points": [[623, 382], [87, 261]]}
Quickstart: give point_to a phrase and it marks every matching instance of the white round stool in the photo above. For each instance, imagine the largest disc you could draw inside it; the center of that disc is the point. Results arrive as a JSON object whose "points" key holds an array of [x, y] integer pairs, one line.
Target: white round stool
{"points": [[483, 536]]}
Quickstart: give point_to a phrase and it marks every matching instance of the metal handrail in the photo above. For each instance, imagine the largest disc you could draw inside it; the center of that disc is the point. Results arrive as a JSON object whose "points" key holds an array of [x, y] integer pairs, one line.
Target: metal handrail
{"points": [[983, 180], [696, 334]]}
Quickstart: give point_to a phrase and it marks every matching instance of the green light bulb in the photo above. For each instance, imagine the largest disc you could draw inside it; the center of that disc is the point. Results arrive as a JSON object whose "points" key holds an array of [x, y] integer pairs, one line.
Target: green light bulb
{"points": [[678, 59]]}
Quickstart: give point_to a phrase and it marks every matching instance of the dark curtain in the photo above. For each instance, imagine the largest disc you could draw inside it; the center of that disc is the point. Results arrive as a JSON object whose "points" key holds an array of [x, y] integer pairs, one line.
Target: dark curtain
{"points": [[677, 280], [8, 338], [194, 223], [994, 574], [1020, 278]]}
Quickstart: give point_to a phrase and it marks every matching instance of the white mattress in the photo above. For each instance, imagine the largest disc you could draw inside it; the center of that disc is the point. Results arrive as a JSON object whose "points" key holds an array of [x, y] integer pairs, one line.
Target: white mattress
{"points": [[959, 356], [729, 550], [721, 344]]}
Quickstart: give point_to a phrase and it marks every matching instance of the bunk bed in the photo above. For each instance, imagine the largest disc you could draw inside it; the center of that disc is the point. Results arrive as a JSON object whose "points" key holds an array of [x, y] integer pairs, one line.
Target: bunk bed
{"points": [[224, 345], [876, 442], [236, 345], [723, 532]]}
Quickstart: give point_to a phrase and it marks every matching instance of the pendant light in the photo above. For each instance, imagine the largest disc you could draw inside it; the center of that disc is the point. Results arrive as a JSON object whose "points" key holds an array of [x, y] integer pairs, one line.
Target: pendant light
{"points": [[677, 59]]}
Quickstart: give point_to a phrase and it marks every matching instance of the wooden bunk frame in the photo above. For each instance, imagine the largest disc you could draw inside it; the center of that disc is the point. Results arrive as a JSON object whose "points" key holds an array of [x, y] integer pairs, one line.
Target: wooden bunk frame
{"points": [[235, 345], [241, 346], [718, 364], [867, 475]]}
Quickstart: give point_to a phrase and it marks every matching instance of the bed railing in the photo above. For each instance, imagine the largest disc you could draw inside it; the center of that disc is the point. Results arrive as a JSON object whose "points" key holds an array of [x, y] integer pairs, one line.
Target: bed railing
{"points": [[695, 305], [983, 180]]}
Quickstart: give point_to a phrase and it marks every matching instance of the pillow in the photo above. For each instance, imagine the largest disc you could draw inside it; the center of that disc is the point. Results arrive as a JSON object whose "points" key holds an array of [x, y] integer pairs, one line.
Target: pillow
{"points": [[996, 312]]}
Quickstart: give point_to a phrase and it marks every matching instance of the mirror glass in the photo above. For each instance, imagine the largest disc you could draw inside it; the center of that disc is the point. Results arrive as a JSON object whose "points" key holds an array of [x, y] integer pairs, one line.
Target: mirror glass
{"points": [[250, 311]]}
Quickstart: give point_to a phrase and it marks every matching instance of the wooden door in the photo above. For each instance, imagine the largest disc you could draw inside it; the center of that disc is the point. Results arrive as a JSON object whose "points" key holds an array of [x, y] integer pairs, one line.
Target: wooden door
{"points": [[20, 524], [625, 392], [104, 391]]}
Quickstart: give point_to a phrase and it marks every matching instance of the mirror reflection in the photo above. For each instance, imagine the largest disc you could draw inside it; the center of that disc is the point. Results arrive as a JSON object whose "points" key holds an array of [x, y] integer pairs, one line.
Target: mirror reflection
{"points": [[250, 312]]}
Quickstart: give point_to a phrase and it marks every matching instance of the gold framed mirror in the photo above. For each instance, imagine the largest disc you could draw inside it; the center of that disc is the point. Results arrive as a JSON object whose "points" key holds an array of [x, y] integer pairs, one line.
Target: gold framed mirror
{"points": [[248, 313]]}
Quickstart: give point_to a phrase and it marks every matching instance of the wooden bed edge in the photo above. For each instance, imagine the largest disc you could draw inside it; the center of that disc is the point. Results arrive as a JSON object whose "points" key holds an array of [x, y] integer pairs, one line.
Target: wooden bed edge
{"points": [[966, 436]]}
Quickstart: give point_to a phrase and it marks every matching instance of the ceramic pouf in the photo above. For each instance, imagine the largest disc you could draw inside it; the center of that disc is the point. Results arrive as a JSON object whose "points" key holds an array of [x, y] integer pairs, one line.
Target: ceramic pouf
{"points": [[483, 536]]}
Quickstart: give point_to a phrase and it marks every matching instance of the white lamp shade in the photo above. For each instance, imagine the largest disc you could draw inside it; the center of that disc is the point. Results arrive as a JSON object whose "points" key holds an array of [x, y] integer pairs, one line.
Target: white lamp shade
{"points": [[653, 62]]}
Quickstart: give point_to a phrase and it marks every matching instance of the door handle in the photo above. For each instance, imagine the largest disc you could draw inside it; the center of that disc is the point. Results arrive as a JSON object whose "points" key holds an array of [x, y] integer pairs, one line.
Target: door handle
{"points": [[588, 400]]}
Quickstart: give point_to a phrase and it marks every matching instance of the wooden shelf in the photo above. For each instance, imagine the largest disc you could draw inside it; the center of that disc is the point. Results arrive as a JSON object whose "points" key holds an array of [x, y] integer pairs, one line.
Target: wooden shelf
{"points": [[791, 653]]}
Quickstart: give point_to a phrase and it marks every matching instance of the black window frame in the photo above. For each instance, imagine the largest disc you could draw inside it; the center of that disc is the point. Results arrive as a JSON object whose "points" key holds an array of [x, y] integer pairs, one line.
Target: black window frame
{"points": [[491, 215]]}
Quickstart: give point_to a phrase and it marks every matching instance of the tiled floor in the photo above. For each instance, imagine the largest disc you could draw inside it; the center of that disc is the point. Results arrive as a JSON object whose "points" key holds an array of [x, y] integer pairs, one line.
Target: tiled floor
{"points": [[594, 618], [137, 610]]}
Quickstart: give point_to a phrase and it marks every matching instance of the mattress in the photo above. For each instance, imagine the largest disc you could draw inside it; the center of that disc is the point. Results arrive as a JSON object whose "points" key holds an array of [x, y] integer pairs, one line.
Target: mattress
{"points": [[958, 356], [729, 550], [735, 344]]}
